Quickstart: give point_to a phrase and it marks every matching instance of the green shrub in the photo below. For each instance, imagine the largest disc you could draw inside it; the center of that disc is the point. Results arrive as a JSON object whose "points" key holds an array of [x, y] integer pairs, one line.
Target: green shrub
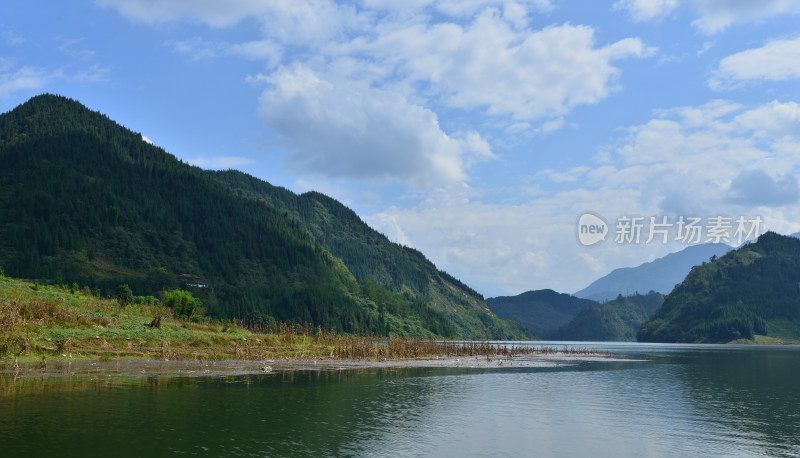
{"points": [[123, 294], [182, 303], [146, 300]]}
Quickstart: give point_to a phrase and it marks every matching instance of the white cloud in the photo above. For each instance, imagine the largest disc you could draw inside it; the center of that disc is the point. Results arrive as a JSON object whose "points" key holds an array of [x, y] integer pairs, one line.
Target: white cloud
{"points": [[685, 161], [11, 38], [515, 12], [349, 129], [94, 74], [302, 19], [394, 5], [72, 47], [487, 64], [212, 12], [756, 188], [369, 198], [552, 126], [571, 176], [15, 79], [24, 78], [645, 10], [717, 15], [258, 50], [593, 263], [712, 16], [314, 22], [293, 21], [512, 9], [199, 49], [677, 133], [778, 60], [370, 80], [707, 45], [774, 119], [508, 249], [386, 224], [490, 62], [518, 127]]}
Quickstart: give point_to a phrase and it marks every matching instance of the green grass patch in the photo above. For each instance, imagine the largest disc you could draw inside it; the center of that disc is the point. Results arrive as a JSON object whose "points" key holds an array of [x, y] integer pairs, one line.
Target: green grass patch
{"points": [[39, 321]]}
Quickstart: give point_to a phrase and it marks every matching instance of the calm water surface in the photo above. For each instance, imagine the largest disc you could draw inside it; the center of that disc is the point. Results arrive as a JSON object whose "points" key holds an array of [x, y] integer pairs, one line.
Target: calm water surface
{"points": [[685, 401]]}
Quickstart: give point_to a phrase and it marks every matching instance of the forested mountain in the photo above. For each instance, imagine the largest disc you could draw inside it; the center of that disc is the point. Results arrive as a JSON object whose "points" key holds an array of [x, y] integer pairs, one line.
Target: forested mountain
{"points": [[612, 321], [660, 275], [368, 254], [754, 290], [542, 311], [86, 200]]}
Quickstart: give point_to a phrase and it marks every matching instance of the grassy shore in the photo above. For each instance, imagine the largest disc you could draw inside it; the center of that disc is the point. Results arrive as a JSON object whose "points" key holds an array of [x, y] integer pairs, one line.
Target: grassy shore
{"points": [[765, 340], [41, 322]]}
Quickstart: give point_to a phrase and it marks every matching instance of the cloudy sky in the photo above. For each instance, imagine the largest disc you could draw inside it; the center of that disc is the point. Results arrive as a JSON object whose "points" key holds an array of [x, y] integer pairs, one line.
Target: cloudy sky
{"points": [[476, 131]]}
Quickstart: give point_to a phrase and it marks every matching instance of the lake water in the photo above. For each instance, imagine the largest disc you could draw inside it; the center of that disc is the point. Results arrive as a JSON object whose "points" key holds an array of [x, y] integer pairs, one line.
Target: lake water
{"points": [[685, 400]]}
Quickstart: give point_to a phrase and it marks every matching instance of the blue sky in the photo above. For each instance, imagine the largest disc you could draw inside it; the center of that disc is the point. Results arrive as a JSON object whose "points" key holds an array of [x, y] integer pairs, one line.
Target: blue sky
{"points": [[476, 131]]}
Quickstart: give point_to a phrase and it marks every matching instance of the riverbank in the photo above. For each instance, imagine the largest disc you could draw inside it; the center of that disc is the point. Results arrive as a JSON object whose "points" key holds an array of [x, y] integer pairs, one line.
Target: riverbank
{"points": [[66, 367], [48, 329]]}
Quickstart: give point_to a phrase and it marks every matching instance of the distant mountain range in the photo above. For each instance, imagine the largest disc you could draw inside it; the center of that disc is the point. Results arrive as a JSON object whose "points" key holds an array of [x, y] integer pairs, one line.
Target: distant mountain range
{"points": [[660, 275], [632, 296], [542, 311], [87, 201], [752, 291], [556, 316], [614, 321]]}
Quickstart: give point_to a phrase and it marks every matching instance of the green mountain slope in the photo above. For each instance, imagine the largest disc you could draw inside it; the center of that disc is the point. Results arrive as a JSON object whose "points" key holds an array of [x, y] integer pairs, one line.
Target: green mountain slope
{"points": [[85, 200], [542, 311], [374, 259], [750, 291], [613, 321]]}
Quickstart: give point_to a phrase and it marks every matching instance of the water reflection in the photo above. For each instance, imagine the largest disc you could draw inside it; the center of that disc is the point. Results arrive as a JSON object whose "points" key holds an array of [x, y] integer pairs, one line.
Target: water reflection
{"points": [[752, 394], [695, 401]]}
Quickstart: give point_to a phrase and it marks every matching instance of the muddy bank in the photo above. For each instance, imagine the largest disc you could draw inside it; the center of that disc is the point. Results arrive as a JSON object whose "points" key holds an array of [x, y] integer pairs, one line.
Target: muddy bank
{"points": [[64, 367]]}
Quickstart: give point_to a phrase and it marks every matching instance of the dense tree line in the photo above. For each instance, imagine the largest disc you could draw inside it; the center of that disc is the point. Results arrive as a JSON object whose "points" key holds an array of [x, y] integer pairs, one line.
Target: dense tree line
{"points": [[733, 297], [367, 253]]}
